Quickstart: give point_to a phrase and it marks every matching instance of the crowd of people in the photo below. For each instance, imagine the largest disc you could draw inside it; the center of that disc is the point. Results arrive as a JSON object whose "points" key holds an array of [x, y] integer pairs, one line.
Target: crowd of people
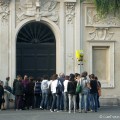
{"points": [[74, 92]]}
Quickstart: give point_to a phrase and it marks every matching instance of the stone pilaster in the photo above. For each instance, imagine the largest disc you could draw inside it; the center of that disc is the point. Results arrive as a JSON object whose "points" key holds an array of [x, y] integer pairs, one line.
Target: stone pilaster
{"points": [[70, 36], [4, 38]]}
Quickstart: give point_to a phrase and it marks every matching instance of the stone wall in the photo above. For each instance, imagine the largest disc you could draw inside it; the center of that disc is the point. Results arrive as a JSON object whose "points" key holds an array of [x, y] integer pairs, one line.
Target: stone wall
{"points": [[76, 26]]}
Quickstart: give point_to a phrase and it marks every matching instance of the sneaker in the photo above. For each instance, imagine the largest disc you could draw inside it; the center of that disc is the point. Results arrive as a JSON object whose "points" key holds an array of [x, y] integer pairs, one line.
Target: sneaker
{"points": [[41, 108], [51, 110], [69, 112], [55, 110], [85, 111], [58, 111], [80, 111], [65, 110], [91, 110]]}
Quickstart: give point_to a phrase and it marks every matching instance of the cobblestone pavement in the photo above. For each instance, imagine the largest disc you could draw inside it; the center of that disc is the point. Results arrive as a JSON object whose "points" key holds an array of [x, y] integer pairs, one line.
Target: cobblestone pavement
{"points": [[105, 113]]}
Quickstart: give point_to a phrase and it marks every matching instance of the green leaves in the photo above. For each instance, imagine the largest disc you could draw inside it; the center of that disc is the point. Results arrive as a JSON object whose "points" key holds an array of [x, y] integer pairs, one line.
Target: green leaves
{"points": [[105, 7]]}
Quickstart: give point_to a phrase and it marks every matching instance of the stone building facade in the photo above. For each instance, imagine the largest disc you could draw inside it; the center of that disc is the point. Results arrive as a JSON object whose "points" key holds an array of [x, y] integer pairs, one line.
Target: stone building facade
{"points": [[75, 26]]}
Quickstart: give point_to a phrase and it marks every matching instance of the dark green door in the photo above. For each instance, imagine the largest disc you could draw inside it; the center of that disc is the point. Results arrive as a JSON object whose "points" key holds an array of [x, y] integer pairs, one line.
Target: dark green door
{"points": [[35, 50]]}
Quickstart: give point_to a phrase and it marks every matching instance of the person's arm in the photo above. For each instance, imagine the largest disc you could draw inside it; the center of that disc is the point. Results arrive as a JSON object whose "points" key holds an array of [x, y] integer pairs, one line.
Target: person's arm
{"points": [[42, 85], [2, 92], [68, 87]]}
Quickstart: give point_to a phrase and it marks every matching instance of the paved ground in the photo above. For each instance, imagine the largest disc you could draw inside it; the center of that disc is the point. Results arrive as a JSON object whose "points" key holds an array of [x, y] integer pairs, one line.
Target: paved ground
{"points": [[105, 113]]}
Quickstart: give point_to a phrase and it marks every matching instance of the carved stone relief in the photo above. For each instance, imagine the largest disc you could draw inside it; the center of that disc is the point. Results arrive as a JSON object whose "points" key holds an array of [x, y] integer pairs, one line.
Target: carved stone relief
{"points": [[93, 19], [4, 10], [101, 33], [37, 9], [70, 11]]}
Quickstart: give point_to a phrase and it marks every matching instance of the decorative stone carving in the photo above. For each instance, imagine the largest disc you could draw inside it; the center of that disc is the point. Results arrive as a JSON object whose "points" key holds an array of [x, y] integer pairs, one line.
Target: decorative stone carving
{"points": [[101, 33], [93, 19], [37, 9], [70, 11], [4, 10]]}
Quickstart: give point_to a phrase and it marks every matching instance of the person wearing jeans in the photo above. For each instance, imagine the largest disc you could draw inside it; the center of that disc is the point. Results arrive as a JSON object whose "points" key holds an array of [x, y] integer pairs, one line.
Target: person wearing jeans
{"points": [[44, 88], [43, 104], [93, 92], [84, 93], [53, 90]]}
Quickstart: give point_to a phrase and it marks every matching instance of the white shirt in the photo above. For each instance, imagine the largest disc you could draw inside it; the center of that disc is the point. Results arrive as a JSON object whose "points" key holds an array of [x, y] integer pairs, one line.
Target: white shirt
{"points": [[65, 83], [53, 86], [44, 85]]}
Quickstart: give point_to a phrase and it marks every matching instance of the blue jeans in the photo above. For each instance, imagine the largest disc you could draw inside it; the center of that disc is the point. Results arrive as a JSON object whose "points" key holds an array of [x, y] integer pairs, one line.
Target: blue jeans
{"points": [[37, 100], [83, 101], [66, 101], [54, 101], [44, 99], [60, 101], [94, 103]]}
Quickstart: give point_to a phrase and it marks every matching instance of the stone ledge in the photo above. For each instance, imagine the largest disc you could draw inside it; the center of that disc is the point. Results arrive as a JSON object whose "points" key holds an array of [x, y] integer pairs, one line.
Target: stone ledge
{"points": [[110, 101]]}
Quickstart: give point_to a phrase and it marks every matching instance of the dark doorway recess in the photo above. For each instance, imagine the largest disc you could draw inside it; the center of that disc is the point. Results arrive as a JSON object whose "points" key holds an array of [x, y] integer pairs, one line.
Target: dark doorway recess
{"points": [[35, 50]]}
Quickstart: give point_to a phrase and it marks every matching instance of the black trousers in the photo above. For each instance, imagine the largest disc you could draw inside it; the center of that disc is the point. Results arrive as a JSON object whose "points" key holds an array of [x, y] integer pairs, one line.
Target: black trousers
{"points": [[0, 102]]}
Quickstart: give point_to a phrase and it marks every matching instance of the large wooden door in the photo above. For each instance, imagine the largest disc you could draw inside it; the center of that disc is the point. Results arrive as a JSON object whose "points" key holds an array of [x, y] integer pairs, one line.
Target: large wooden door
{"points": [[35, 56]]}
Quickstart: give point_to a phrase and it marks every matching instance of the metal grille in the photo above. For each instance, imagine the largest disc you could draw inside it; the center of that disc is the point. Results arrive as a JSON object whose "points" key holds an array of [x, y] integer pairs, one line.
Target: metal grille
{"points": [[35, 32]]}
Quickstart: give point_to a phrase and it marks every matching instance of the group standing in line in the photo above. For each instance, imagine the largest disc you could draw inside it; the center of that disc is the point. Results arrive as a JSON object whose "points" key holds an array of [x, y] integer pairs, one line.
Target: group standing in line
{"points": [[59, 93]]}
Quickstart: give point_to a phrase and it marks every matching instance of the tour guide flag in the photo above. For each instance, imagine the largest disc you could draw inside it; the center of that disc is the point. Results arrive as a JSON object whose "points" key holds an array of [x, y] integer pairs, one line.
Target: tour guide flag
{"points": [[79, 55]]}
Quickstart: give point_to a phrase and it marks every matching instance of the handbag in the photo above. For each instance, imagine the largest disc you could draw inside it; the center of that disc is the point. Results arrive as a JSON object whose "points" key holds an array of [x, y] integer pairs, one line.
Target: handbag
{"points": [[3, 100], [78, 88]]}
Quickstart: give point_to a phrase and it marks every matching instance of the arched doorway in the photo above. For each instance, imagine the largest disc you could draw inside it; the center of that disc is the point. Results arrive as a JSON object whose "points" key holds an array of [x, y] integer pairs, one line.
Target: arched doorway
{"points": [[35, 50]]}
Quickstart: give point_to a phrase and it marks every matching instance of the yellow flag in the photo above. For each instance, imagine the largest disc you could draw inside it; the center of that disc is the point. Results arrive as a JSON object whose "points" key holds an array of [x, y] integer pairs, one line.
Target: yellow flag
{"points": [[79, 55]]}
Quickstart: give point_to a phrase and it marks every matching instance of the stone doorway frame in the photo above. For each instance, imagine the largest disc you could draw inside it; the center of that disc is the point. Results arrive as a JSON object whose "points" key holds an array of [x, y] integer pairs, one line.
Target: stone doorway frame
{"points": [[59, 48]]}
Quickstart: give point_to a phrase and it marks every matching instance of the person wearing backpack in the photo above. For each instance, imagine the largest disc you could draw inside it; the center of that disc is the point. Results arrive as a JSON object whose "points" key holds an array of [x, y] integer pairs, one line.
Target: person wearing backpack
{"points": [[61, 96], [99, 91], [84, 93], [44, 88]]}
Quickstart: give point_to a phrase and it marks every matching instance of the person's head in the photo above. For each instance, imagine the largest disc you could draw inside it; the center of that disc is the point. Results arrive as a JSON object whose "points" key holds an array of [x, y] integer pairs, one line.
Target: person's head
{"points": [[62, 75], [0, 82], [38, 79], [18, 77], [66, 77], [72, 77], [77, 76], [84, 74], [89, 76], [55, 76], [96, 78], [25, 77], [51, 77], [45, 77], [7, 78], [31, 79], [92, 76]]}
